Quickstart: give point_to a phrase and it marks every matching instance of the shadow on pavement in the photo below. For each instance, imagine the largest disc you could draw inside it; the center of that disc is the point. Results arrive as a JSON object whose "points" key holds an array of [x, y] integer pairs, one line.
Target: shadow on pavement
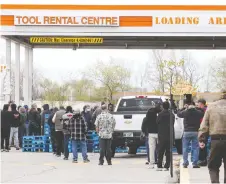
{"points": [[129, 156]]}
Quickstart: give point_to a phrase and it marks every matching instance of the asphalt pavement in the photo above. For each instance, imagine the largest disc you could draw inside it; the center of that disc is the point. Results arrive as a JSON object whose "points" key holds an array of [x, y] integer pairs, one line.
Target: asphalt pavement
{"points": [[30, 167]]}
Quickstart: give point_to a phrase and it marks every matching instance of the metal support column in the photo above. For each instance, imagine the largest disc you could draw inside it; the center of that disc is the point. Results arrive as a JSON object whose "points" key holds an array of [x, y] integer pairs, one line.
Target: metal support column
{"points": [[30, 82], [17, 74], [7, 81], [26, 77]]}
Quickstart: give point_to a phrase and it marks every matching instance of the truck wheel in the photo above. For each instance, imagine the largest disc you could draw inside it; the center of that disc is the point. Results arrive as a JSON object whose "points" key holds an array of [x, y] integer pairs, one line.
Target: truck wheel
{"points": [[178, 145], [132, 150], [113, 151]]}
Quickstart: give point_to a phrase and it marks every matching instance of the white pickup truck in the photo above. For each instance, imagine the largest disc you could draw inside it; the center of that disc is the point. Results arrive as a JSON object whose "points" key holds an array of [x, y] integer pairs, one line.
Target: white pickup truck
{"points": [[129, 113]]}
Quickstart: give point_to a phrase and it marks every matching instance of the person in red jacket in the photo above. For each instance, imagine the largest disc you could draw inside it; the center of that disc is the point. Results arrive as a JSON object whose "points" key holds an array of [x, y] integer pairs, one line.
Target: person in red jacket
{"points": [[202, 151]]}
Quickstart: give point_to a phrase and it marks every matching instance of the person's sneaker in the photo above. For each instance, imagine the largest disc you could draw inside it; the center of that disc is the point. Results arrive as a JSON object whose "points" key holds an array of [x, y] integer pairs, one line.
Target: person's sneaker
{"points": [[86, 160], [100, 163], [202, 163], [6, 150], [147, 163], [75, 161], [196, 166], [151, 166], [65, 158], [185, 166], [159, 169], [109, 163], [2, 150], [165, 169], [17, 148], [58, 155]]}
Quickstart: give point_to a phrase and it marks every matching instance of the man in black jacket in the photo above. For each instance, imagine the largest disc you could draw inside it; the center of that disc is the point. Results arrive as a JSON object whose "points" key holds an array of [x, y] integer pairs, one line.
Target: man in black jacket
{"points": [[192, 118], [5, 128], [150, 126], [14, 119], [163, 122]]}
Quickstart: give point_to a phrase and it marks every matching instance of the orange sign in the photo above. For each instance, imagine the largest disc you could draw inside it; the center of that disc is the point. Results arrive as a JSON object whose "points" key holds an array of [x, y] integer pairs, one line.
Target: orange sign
{"points": [[67, 20]]}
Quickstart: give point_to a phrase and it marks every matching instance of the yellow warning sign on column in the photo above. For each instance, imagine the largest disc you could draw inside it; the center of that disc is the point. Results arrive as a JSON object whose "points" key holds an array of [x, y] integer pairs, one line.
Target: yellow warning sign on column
{"points": [[2, 67], [65, 40]]}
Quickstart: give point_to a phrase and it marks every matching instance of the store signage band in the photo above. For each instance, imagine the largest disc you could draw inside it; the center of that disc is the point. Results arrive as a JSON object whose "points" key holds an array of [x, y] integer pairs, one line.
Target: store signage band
{"points": [[102, 21], [109, 21]]}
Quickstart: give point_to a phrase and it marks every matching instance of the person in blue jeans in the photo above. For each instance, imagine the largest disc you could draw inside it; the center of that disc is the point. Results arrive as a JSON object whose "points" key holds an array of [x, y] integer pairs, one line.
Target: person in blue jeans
{"points": [[192, 118], [190, 138], [65, 121], [78, 129]]}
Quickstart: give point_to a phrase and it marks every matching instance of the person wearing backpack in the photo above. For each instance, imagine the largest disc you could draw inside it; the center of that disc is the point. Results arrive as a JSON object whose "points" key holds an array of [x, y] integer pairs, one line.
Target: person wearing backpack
{"points": [[14, 119], [22, 128]]}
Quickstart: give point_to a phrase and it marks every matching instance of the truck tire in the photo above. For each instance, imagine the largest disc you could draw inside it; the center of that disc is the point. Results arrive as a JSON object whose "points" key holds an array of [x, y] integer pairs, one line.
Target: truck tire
{"points": [[178, 145], [113, 151], [132, 150]]}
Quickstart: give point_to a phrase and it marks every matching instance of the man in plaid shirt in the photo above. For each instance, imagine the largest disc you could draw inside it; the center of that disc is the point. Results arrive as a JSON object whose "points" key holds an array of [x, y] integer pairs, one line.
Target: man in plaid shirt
{"points": [[78, 129], [105, 125]]}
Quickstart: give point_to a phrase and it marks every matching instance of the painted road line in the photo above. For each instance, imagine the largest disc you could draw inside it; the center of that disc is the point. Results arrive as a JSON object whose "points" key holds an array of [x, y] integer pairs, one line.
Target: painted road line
{"points": [[184, 174], [139, 162], [116, 162]]}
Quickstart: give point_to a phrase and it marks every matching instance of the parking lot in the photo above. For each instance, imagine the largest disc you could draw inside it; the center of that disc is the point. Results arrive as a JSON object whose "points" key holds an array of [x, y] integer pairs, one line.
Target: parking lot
{"points": [[25, 167]]}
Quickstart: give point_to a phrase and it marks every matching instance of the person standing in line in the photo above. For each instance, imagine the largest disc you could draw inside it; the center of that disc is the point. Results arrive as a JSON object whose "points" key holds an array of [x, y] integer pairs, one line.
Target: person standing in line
{"points": [[27, 121], [145, 136], [22, 128], [152, 130], [59, 131], [78, 130], [45, 113], [110, 108], [65, 121], [203, 154], [34, 121], [14, 119], [39, 110], [192, 118], [105, 125], [163, 121], [86, 113], [5, 128], [214, 125], [97, 112], [52, 129]]}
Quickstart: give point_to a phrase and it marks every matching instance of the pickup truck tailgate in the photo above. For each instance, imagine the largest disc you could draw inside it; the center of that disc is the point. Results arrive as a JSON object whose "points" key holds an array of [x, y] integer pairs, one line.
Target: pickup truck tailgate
{"points": [[128, 122]]}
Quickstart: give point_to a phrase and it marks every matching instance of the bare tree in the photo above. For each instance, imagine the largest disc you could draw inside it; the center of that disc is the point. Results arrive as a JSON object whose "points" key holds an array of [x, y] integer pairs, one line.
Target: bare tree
{"points": [[190, 72], [218, 71], [112, 76]]}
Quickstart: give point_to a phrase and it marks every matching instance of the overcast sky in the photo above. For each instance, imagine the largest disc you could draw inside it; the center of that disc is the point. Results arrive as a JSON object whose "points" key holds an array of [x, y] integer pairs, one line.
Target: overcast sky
{"points": [[58, 64]]}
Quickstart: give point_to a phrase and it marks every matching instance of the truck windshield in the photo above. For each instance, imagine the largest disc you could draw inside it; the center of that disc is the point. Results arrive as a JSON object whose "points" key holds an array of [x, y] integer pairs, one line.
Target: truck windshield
{"points": [[137, 104]]}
